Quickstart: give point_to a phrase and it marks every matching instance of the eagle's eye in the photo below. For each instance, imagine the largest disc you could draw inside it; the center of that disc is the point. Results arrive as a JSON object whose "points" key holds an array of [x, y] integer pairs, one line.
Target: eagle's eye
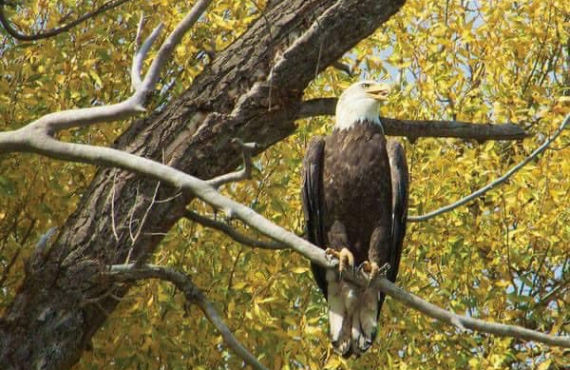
{"points": [[366, 85]]}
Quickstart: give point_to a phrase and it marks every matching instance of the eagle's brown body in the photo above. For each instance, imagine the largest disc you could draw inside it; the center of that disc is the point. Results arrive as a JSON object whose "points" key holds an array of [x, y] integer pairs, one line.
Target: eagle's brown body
{"points": [[358, 192]]}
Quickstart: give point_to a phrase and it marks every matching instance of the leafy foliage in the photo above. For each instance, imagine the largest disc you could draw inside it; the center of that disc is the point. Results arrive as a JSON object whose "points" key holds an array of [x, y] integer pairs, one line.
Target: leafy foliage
{"points": [[504, 257]]}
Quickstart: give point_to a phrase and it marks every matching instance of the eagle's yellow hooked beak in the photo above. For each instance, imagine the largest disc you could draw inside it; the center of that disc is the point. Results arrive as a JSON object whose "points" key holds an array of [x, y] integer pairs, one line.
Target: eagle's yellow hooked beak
{"points": [[379, 91]]}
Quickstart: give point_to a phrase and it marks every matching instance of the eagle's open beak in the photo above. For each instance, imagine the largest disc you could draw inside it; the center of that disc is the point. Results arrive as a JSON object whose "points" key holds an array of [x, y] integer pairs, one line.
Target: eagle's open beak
{"points": [[379, 91]]}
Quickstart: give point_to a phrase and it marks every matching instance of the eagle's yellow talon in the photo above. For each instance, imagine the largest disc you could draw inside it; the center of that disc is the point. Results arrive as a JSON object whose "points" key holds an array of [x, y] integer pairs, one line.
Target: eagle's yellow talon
{"points": [[372, 271], [345, 259]]}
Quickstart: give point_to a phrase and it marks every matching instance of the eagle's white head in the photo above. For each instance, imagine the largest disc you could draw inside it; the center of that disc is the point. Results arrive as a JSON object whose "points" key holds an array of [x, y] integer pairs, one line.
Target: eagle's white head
{"points": [[360, 102]]}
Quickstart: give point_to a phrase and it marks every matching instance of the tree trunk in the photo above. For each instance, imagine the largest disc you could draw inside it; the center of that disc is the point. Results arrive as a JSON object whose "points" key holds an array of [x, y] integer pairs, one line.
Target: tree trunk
{"points": [[63, 299]]}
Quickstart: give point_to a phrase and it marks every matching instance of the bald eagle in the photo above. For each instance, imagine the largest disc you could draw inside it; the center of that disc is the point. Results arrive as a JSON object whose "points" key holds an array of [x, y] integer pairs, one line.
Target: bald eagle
{"points": [[355, 198]]}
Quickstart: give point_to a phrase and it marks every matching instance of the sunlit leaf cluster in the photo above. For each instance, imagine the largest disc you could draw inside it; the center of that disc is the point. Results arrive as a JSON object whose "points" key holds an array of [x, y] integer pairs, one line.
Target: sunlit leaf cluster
{"points": [[504, 257]]}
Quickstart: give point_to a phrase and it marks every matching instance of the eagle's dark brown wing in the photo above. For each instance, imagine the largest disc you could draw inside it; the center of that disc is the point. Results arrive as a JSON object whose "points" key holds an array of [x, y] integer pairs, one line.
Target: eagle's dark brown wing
{"points": [[313, 202], [400, 184]]}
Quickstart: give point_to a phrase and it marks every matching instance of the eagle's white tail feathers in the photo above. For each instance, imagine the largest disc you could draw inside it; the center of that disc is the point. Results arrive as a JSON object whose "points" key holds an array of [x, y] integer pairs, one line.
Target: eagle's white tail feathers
{"points": [[336, 305], [368, 314], [352, 315]]}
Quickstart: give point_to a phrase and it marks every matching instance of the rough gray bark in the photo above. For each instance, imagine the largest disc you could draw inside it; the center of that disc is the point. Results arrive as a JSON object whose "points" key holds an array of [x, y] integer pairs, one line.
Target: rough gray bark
{"points": [[252, 90]]}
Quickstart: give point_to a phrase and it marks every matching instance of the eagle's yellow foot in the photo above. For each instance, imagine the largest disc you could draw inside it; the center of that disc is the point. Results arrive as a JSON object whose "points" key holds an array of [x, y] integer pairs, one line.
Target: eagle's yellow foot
{"points": [[345, 259], [372, 271]]}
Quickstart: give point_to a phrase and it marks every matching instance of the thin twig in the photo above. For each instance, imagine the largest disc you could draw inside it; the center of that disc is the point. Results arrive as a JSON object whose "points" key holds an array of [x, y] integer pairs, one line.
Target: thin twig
{"points": [[231, 232], [143, 220], [194, 295], [342, 67], [244, 173], [54, 31], [8, 267], [113, 222], [498, 181]]}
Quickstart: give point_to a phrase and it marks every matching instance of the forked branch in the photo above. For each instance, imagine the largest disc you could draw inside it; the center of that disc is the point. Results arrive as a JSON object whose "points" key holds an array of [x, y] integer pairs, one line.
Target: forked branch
{"points": [[130, 273], [53, 122]]}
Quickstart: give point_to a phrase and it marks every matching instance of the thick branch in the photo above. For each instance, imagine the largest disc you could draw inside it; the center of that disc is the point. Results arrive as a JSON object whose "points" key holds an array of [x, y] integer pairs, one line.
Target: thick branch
{"points": [[192, 294], [498, 181], [55, 31], [424, 128]]}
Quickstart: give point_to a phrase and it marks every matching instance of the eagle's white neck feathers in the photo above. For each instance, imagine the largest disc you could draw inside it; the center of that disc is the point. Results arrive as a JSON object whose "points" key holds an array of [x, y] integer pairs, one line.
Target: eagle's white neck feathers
{"points": [[353, 112], [356, 105]]}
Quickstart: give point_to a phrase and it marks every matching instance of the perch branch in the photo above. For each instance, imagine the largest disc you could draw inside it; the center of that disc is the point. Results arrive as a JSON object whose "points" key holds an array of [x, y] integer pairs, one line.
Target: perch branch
{"points": [[498, 181], [423, 128], [244, 173], [54, 31], [115, 158], [130, 272], [231, 232]]}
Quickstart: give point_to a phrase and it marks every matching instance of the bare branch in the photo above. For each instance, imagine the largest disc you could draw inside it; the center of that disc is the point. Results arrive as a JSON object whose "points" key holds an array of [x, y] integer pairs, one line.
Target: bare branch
{"points": [[231, 232], [113, 223], [424, 128], [243, 174], [113, 157], [129, 272], [498, 181], [140, 28], [55, 31]]}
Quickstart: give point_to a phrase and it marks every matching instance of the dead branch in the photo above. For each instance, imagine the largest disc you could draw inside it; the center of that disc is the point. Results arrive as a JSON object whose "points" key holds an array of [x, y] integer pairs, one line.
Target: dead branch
{"points": [[414, 129], [130, 272], [231, 232], [496, 182], [54, 31]]}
